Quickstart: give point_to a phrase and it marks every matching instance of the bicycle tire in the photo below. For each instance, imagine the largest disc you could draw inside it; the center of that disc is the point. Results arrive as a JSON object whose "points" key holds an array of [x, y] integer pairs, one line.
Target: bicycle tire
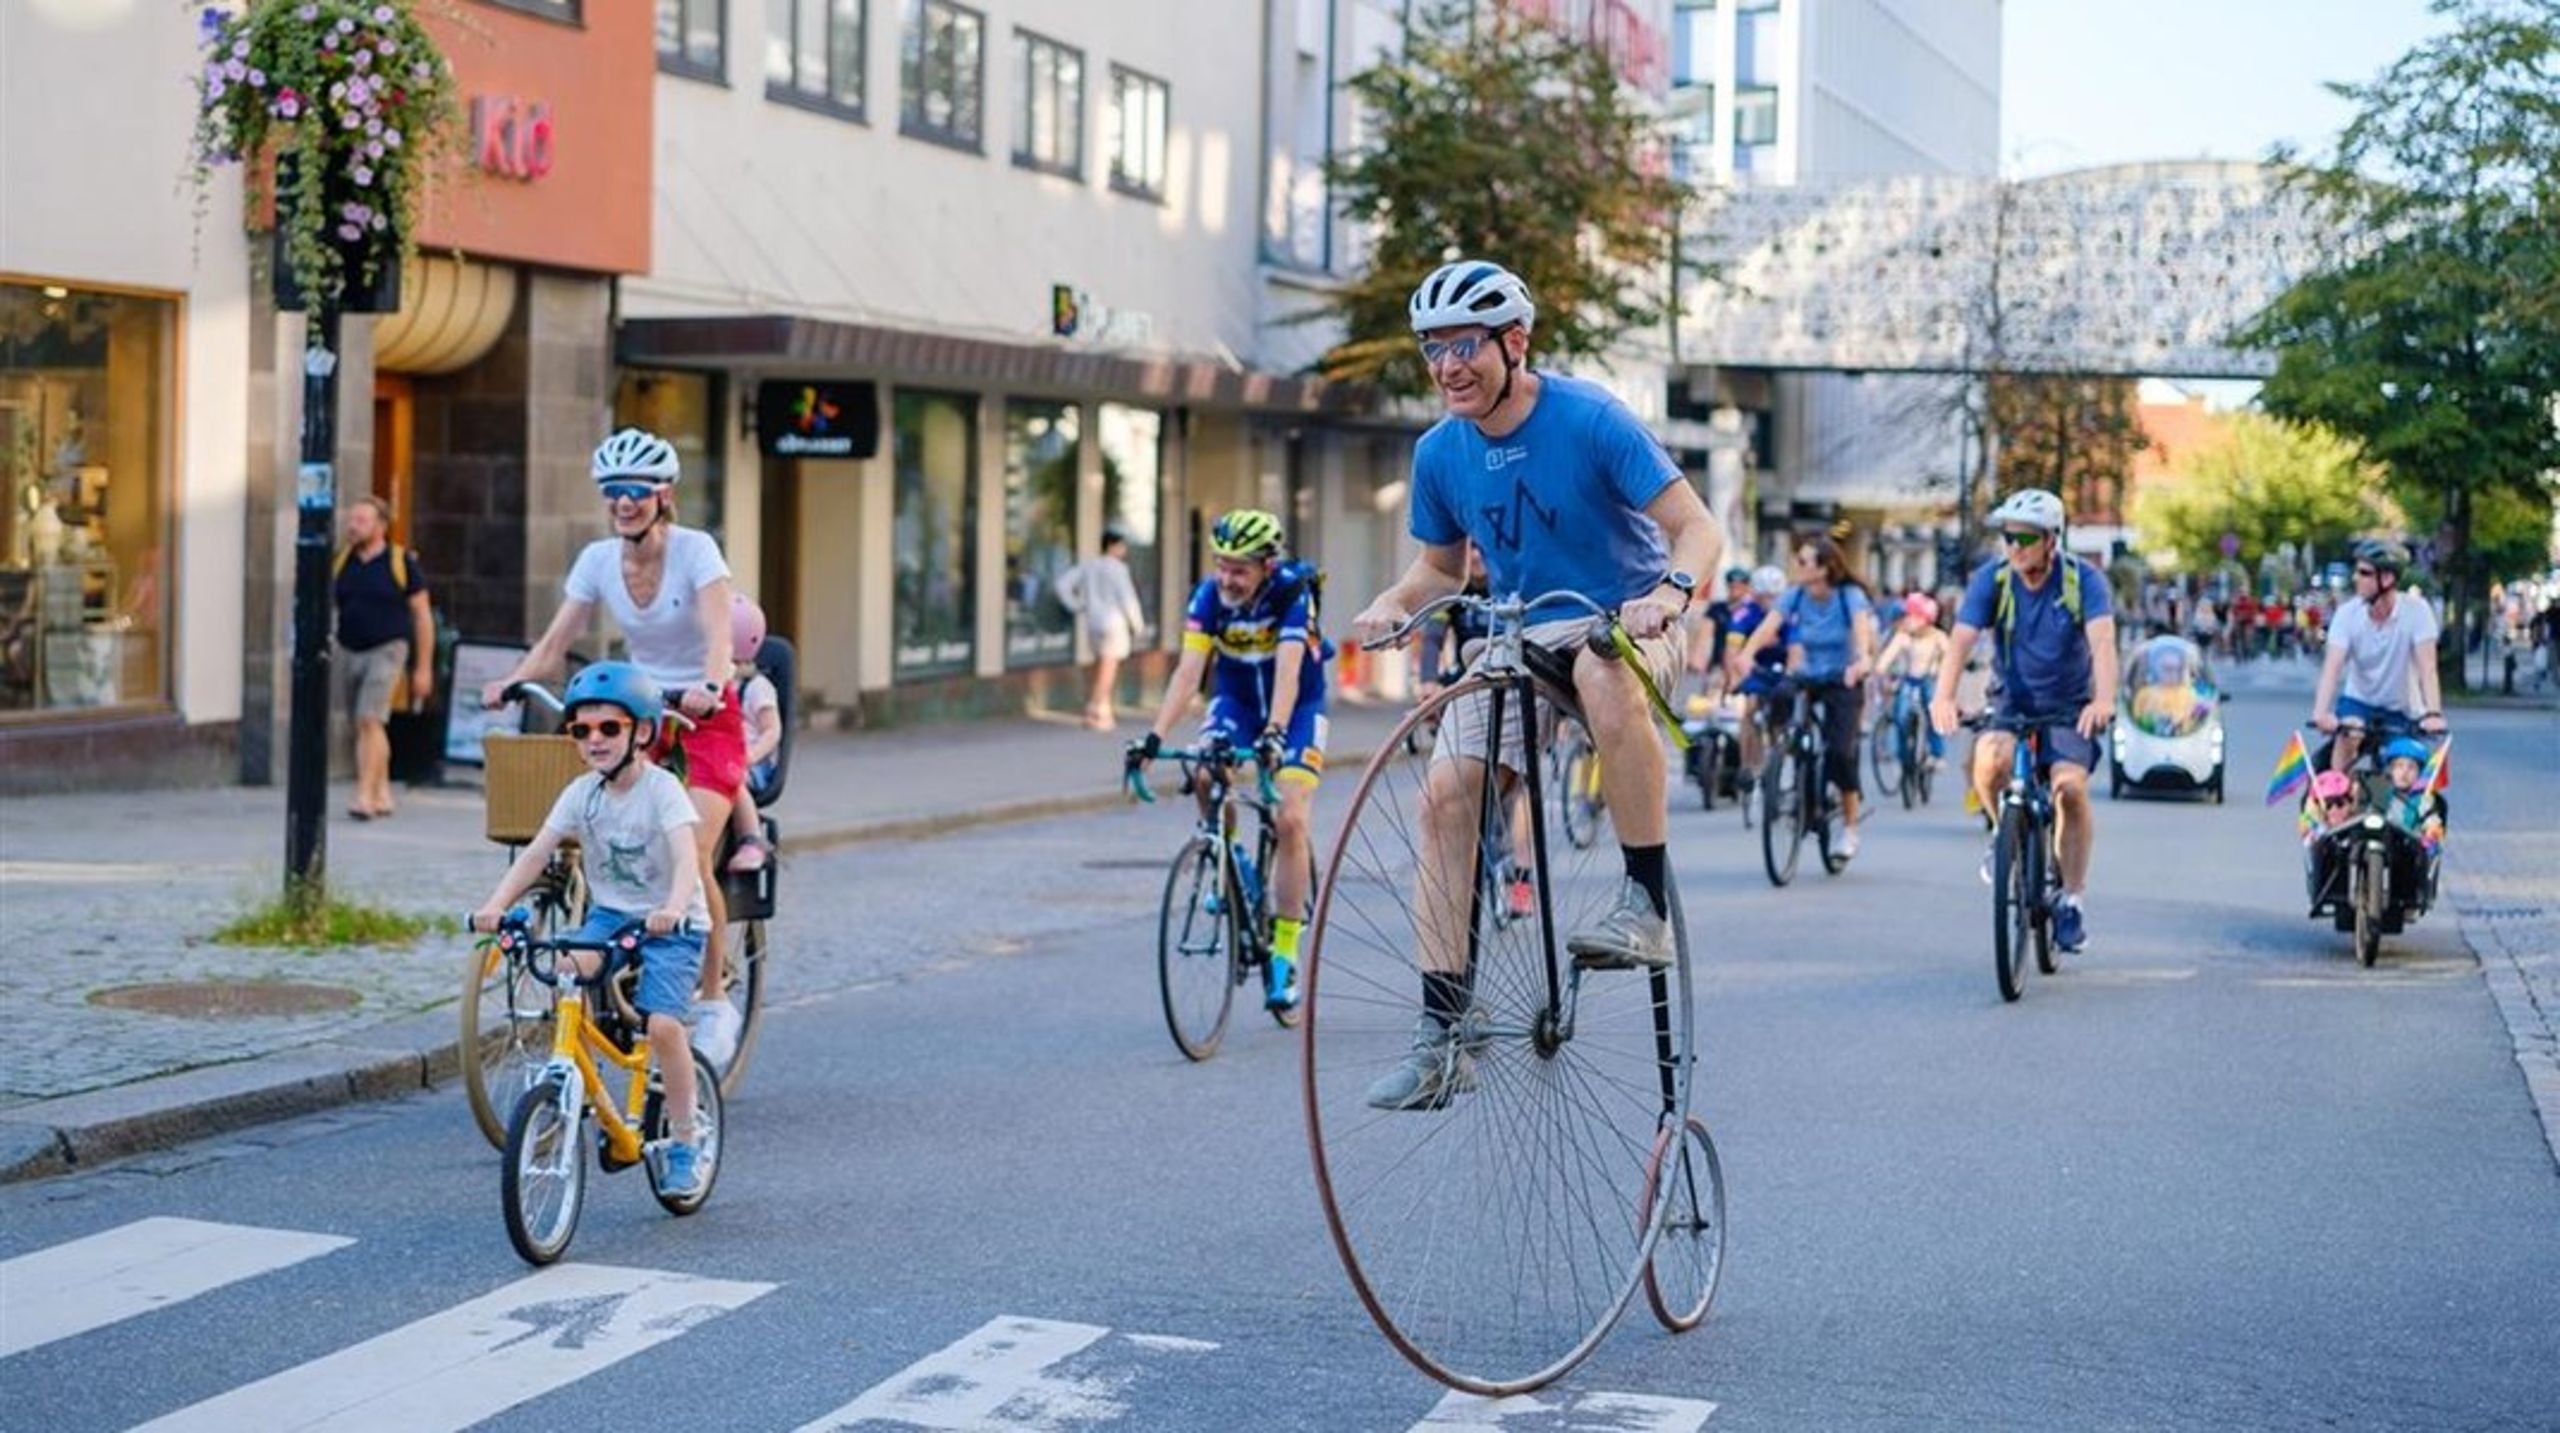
{"points": [[541, 1131], [1196, 964], [711, 1122], [742, 980], [1883, 755], [1681, 1277], [2009, 933], [2047, 877], [1781, 816], [1581, 815], [1920, 775], [504, 1045], [2372, 877], [1470, 1228]]}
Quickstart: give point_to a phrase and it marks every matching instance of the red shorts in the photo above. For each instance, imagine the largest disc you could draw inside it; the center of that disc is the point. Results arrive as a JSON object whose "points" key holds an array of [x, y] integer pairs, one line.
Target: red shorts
{"points": [[715, 749]]}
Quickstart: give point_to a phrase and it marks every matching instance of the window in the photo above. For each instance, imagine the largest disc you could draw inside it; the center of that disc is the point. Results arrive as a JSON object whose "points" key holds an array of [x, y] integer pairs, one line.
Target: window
{"points": [[683, 408], [1041, 444], [564, 11], [85, 533], [944, 74], [1132, 442], [1755, 114], [1139, 109], [813, 54], [690, 38], [935, 453], [1048, 133]]}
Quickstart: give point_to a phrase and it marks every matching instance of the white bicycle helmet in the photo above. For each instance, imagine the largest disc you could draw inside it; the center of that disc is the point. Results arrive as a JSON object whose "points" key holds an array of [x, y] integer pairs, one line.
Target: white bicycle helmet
{"points": [[1471, 291], [635, 453], [2033, 506], [1768, 581]]}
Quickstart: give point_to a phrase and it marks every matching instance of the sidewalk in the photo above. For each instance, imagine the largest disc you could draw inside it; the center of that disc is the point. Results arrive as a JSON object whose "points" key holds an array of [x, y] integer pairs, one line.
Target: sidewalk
{"points": [[103, 897]]}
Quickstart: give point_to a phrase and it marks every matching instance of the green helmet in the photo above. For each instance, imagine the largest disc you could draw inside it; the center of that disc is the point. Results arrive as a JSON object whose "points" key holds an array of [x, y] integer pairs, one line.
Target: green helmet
{"points": [[1246, 532]]}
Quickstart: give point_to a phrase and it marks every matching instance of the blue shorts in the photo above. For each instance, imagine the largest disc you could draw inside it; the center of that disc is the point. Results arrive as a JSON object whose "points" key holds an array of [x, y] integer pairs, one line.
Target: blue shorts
{"points": [[1759, 681], [2065, 746], [669, 964], [2384, 720], [1302, 755]]}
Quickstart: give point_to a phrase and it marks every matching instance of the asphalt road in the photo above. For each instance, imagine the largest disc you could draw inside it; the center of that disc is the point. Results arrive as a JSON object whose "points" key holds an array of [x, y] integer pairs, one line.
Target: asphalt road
{"points": [[2213, 1175]]}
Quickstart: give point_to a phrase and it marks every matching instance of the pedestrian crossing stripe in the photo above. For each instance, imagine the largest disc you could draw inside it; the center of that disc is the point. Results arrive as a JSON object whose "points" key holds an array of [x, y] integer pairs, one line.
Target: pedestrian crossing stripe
{"points": [[1566, 1413], [120, 1273]]}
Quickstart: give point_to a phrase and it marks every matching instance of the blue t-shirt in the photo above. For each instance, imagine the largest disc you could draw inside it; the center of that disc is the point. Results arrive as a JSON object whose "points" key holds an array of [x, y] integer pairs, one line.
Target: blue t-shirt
{"points": [[1244, 642], [1747, 617], [2045, 670], [1825, 628], [1556, 503]]}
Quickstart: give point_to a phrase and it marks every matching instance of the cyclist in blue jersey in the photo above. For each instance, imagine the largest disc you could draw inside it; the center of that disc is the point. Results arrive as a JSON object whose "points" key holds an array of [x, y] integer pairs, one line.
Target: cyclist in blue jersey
{"points": [[1753, 676], [1252, 629], [2055, 623], [1562, 488]]}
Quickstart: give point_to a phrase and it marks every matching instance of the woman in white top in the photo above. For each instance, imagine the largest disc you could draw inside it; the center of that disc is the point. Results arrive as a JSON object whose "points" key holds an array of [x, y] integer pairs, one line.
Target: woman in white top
{"points": [[668, 590], [1100, 591]]}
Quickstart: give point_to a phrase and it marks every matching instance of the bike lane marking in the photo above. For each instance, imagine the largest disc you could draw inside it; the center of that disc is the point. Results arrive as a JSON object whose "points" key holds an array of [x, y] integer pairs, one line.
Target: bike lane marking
{"points": [[1594, 1412], [108, 1277], [476, 1359], [1005, 1375]]}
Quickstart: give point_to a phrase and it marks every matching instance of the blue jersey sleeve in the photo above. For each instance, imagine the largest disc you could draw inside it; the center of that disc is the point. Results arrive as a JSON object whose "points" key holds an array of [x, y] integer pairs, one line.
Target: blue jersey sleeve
{"points": [[1638, 467], [1435, 518], [1981, 598], [2097, 598], [1201, 617], [1298, 623]]}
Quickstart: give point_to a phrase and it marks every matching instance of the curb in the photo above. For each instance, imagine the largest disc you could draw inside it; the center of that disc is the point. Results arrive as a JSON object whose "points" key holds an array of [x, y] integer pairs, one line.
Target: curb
{"points": [[47, 1138]]}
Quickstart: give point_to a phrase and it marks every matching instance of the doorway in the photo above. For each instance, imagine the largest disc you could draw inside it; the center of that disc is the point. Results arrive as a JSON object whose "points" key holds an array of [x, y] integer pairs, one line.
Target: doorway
{"points": [[395, 447]]}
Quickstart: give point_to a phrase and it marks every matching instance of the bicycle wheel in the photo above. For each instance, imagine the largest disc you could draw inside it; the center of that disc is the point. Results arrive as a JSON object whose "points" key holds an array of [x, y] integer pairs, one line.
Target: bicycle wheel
{"points": [[1825, 818], [1494, 1234], [507, 1021], [1916, 773], [742, 979], [1781, 815], [2045, 879], [1578, 789], [2009, 904], [1680, 1279], [709, 1124], [543, 1184], [2371, 881], [1884, 753], [1196, 960]]}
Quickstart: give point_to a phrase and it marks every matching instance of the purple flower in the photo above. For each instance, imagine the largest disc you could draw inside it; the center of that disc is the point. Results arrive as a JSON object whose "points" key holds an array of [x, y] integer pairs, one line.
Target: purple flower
{"points": [[240, 48], [329, 41], [382, 14], [373, 151], [307, 14], [290, 106], [381, 220], [346, 26], [234, 71], [350, 232], [257, 78], [209, 26], [361, 59], [362, 176], [373, 126], [391, 137], [418, 71], [388, 47]]}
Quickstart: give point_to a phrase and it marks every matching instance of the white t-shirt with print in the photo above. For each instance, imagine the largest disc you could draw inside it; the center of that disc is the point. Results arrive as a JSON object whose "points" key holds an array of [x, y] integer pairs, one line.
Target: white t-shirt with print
{"points": [[628, 841], [2382, 657], [665, 638]]}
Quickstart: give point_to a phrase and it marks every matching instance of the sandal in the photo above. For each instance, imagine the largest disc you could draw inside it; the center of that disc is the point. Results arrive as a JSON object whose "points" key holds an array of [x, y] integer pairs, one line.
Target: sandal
{"points": [[752, 854]]}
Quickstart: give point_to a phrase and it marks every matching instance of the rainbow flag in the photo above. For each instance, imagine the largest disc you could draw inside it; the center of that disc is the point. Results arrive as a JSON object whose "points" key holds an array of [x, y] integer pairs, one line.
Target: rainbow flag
{"points": [[2293, 770], [2435, 778]]}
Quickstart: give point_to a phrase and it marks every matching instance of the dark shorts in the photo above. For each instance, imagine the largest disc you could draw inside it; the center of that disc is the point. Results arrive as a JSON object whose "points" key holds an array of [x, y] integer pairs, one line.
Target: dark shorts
{"points": [[2065, 746], [1302, 755]]}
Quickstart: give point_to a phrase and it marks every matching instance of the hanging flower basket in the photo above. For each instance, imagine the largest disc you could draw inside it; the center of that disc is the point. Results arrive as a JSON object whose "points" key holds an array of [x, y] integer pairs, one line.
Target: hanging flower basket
{"points": [[352, 99]]}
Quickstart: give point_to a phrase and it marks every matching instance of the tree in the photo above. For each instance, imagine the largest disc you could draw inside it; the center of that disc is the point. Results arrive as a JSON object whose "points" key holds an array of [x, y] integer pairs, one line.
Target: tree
{"points": [[2076, 437], [2429, 338], [1500, 137], [2273, 483]]}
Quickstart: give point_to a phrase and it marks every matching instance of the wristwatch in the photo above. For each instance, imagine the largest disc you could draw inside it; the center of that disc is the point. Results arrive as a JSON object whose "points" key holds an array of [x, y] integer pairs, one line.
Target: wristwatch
{"points": [[1686, 584]]}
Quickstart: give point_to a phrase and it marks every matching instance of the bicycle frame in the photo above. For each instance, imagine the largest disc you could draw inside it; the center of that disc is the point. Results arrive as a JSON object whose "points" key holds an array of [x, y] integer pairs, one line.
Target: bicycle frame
{"points": [[1217, 824], [576, 1042]]}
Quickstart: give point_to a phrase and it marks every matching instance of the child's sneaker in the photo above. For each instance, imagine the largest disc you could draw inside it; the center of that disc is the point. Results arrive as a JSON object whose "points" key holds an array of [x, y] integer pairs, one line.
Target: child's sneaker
{"points": [[684, 1172], [716, 1024], [752, 854]]}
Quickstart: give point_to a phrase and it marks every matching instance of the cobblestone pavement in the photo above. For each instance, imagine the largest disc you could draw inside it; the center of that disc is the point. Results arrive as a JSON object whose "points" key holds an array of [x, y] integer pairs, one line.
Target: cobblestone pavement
{"points": [[2506, 888]]}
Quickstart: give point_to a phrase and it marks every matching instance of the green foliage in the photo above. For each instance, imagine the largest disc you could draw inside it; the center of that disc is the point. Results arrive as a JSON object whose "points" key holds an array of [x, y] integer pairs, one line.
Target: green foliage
{"points": [[2272, 483], [2076, 437], [302, 925], [1496, 137]]}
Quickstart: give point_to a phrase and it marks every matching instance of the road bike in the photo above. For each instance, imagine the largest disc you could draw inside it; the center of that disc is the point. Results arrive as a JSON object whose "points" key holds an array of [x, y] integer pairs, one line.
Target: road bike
{"points": [[543, 1182], [1497, 1231], [2026, 870], [1213, 931], [1795, 798]]}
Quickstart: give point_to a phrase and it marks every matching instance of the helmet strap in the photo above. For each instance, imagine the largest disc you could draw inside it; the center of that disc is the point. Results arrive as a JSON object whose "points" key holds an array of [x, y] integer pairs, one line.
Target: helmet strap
{"points": [[1510, 369], [630, 753]]}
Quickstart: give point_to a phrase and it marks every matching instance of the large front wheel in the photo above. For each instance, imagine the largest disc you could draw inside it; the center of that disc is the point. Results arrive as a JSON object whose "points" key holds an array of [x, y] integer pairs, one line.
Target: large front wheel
{"points": [[1482, 1117], [1196, 957], [543, 1184]]}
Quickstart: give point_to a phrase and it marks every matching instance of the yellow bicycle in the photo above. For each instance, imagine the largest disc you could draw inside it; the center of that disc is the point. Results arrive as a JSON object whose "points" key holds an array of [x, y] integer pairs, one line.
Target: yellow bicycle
{"points": [[544, 1179]]}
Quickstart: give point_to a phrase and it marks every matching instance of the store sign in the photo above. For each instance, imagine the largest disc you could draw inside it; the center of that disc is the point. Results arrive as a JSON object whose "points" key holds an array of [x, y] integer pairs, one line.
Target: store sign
{"points": [[801, 418], [511, 137], [1074, 314]]}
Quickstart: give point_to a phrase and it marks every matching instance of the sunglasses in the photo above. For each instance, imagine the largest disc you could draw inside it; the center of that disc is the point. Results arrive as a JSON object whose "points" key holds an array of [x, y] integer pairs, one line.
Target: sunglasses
{"points": [[2022, 539], [2366, 572], [2335, 802], [609, 728], [626, 492], [1462, 349]]}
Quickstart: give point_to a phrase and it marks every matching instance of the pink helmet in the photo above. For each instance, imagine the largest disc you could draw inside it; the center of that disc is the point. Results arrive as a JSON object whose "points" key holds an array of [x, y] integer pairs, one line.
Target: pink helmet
{"points": [[2330, 785], [1922, 606], [746, 627]]}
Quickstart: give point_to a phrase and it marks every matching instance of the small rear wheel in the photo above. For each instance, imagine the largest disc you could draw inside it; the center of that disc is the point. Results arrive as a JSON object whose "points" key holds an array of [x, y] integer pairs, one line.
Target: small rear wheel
{"points": [[1197, 965], [1688, 1257], [543, 1184], [708, 1125]]}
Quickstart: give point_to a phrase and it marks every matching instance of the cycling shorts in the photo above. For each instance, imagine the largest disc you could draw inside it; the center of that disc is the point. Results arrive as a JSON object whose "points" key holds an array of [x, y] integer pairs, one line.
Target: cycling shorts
{"points": [[1302, 746], [2065, 746]]}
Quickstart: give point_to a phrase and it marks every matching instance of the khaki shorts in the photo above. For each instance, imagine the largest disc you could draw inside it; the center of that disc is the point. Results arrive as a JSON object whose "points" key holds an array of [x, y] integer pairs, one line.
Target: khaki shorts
{"points": [[1464, 724], [366, 679]]}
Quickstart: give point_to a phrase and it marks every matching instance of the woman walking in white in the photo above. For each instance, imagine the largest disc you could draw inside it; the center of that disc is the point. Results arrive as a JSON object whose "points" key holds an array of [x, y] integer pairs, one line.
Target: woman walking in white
{"points": [[667, 588], [1100, 591]]}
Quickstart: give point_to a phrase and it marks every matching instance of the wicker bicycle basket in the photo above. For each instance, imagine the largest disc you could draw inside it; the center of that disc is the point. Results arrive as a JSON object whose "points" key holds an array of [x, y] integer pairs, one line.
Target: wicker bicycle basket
{"points": [[525, 775]]}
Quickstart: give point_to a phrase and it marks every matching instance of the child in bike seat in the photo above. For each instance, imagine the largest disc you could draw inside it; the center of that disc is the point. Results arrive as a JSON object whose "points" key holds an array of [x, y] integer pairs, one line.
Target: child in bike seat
{"points": [[2333, 804], [762, 707], [2410, 806], [634, 827]]}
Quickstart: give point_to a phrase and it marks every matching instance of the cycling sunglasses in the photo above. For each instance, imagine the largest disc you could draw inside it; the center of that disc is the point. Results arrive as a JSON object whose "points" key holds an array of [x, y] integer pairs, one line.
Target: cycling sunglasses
{"points": [[608, 728], [2367, 572], [1462, 349], [2016, 538], [626, 492]]}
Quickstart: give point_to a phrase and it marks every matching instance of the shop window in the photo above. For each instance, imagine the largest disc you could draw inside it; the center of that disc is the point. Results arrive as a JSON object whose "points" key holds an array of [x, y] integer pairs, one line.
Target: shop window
{"points": [[1132, 445], [936, 599], [683, 408], [692, 38], [1048, 132], [564, 11], [1141, 109], [1041, 444], [945, 72], [85, 538], [813, 54]]}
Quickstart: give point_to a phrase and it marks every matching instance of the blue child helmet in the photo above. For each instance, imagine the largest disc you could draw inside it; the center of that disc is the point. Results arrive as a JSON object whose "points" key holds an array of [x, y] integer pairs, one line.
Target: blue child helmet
{"points": [[2408, 746], [617, 684]]}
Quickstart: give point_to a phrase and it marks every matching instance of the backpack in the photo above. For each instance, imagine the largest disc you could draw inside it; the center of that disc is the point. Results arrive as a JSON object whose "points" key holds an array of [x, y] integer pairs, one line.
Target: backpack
{"points": [[399, 566], [2005, 613], [1288, 581]]}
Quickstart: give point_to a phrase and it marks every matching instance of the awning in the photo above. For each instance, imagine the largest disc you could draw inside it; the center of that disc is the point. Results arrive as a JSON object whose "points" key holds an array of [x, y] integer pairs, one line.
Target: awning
{"points": [[820, 346]]}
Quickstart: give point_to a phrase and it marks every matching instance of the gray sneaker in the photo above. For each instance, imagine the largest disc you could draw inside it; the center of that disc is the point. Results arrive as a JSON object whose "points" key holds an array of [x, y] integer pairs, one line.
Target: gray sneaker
{"points": [[1436, 1069], [1628, 936]]}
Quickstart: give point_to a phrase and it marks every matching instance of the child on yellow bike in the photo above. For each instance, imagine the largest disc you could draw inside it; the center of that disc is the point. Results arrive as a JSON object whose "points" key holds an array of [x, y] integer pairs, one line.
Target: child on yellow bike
{"points": [[634, 827]]}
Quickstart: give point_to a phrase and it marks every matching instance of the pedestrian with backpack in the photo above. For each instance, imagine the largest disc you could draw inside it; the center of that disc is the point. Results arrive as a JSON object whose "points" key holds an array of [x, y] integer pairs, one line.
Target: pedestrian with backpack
{"points": [[384, 655]]}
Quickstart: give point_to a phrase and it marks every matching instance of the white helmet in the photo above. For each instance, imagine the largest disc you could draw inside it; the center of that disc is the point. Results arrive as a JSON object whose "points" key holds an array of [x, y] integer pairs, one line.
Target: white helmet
{"points": [[635, 453], [1768, 581], [2033, 506], [1471, 291]]}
